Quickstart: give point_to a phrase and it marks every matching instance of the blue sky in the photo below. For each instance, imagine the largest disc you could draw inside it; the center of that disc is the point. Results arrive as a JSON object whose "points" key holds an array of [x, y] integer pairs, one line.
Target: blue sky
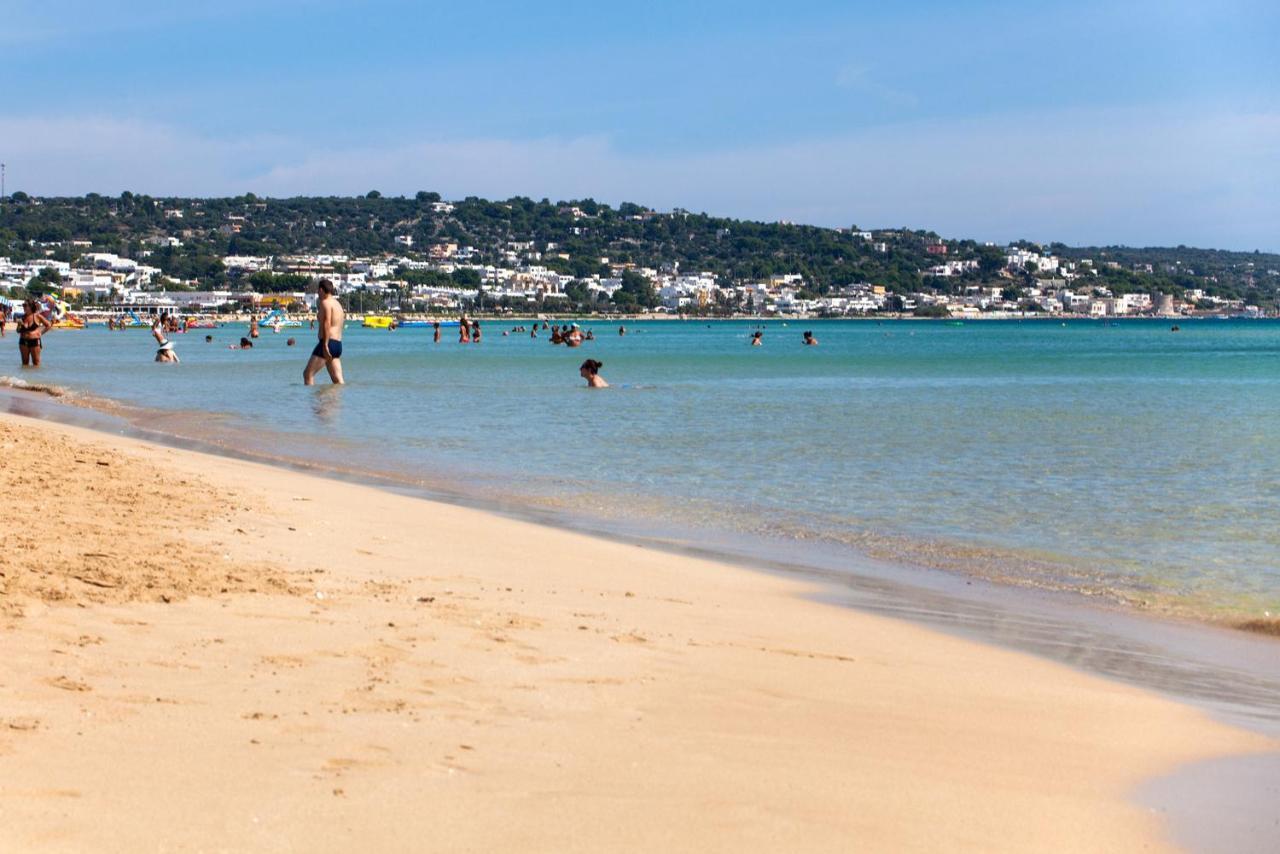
{"points": [[1140, 123]]}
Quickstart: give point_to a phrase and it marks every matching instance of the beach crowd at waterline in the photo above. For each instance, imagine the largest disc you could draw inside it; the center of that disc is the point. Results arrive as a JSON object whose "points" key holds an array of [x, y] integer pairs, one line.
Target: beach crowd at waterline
{"points": [[36, 322]]}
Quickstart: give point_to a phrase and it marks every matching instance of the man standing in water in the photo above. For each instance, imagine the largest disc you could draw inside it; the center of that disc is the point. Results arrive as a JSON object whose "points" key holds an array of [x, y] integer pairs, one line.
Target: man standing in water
{"points": [[328, 353]]}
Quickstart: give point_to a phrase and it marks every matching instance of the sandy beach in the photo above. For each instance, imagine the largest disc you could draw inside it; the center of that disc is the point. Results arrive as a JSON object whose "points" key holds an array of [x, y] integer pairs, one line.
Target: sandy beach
{"points": [[202, 653]]}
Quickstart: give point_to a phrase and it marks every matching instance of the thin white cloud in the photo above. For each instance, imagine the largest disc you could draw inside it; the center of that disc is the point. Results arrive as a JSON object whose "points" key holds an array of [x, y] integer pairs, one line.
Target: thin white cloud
{"points": [[1076, 176], [859, 79], [72, 156]]}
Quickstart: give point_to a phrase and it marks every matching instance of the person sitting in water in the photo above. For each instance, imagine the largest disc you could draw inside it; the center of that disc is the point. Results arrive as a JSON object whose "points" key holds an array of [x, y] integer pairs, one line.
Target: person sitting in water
{"points": [[809, 340], [590, 336], [208, 339], [590, 371], [166, 352], [757, 338], [245, 344], [574, 338], [291, 342]]}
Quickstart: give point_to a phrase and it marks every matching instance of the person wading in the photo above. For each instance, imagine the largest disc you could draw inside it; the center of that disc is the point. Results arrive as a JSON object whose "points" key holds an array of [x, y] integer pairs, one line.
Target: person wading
{"points": [[328, 352]]}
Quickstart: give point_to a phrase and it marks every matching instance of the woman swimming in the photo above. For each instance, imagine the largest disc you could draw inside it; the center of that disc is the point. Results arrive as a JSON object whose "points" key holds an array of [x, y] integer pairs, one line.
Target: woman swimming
{"points": [[590, 371], [31, 329]]}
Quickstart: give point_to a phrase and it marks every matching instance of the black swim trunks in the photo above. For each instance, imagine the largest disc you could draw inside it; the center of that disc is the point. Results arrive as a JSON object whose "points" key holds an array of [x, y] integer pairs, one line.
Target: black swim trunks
{"points": [[335, 350], [30, 343]]}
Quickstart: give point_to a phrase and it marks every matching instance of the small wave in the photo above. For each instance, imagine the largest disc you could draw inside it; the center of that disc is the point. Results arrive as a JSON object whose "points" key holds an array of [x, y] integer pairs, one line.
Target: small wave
{"points": [[1260, 625], [38, 388]]}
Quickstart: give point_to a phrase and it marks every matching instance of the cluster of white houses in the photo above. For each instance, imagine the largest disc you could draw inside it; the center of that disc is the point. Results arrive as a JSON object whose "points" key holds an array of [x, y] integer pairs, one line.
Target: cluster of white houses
{"points": [[523, 279]]}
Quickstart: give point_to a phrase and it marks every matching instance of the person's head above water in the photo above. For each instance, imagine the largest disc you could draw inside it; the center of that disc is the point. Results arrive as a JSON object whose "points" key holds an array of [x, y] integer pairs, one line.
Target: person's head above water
{"points": [[590, 371], [246, 343], [208, 338]]}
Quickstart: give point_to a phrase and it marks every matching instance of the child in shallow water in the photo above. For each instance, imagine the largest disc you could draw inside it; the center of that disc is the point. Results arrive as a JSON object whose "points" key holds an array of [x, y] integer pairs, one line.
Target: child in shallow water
{"points": [[590, 371]]}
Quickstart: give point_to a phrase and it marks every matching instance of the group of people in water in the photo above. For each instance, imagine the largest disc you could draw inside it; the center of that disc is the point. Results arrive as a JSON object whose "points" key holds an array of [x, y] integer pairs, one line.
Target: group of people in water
{"points": [[757, 339], [330, 319]]}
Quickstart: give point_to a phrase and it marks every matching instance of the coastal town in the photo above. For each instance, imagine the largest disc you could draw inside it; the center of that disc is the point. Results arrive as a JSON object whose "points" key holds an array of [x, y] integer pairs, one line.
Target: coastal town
{"points": [[443, 273]]}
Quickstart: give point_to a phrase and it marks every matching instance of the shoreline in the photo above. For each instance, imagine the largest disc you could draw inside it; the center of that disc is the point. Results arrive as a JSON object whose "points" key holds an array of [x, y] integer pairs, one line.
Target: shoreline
{"points": [[1229, 671], [683, 701], [913, 561]]}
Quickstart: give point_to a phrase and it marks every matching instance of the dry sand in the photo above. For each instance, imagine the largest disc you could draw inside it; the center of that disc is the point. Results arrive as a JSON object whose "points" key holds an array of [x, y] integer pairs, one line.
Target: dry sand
{"points": [[206, 654]]}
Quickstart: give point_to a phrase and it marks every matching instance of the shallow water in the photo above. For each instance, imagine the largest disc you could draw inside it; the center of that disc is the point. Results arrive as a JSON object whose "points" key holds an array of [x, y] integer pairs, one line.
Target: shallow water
{"points": [[1118, 460]]}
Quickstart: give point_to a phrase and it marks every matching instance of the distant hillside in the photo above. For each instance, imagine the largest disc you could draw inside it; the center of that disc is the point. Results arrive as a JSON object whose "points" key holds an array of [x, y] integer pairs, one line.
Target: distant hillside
{"points": [[575, 237]]}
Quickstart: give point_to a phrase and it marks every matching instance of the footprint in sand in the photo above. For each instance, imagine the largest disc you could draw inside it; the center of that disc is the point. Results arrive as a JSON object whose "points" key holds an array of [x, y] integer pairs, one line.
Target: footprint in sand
{"points": [[340, 764], [68, 684], [21, 724]]}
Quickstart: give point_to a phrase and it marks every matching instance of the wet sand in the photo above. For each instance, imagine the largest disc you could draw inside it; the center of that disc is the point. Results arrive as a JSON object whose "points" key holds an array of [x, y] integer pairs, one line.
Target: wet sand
{"points": [[207, 653]]}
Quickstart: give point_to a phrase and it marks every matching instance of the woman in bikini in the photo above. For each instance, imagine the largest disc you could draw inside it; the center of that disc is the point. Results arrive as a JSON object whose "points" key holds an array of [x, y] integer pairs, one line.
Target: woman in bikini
{"points": [[31, 328]]}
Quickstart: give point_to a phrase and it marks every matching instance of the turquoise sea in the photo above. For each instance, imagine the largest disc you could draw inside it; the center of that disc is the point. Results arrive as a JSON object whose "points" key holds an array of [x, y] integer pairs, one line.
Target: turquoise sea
{"points": [[1119, 460]]}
